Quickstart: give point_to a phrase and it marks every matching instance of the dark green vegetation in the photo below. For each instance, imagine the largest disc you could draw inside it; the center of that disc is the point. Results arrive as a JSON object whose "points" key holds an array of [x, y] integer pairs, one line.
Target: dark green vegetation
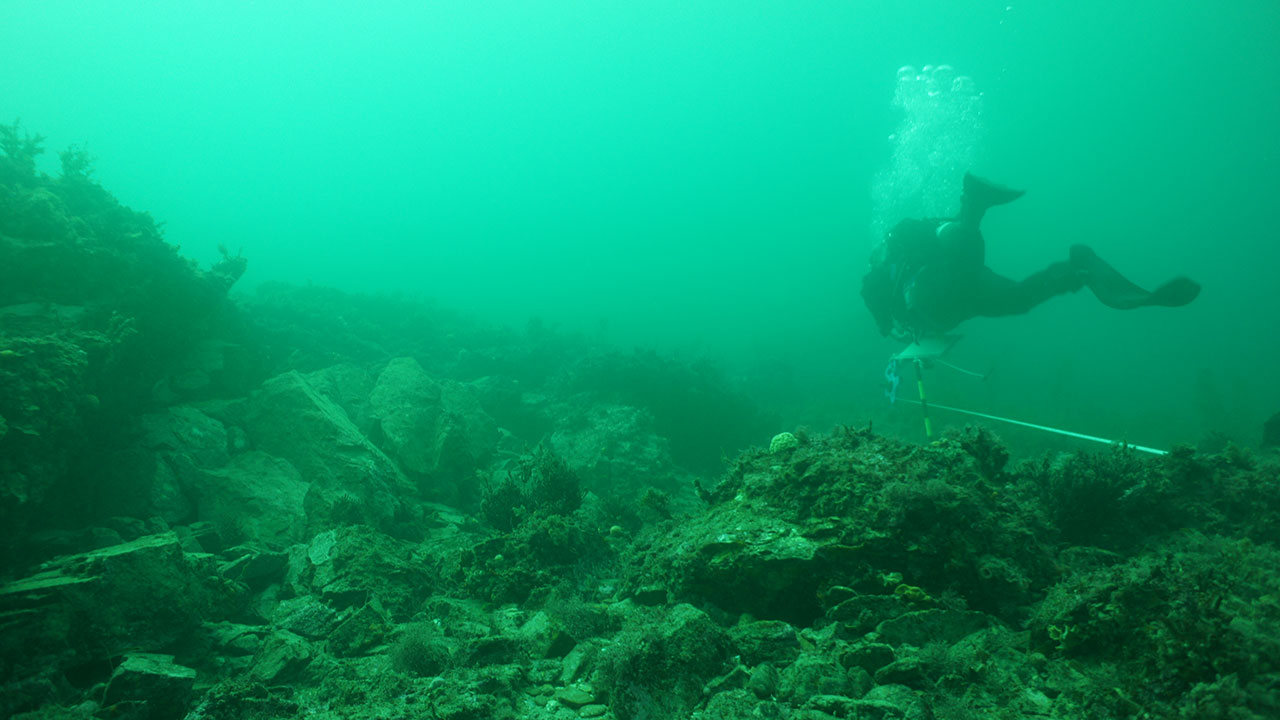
{"points": [[100, 318], [308, 503]]}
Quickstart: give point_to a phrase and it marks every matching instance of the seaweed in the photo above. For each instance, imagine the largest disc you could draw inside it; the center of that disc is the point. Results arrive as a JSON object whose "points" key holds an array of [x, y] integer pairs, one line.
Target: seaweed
{"points": [[20, 150], [543, 483]]}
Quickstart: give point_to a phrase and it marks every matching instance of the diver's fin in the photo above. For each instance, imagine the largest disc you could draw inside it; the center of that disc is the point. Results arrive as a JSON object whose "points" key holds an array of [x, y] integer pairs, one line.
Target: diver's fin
{"points": [[981, 194], [1176, 293], [1117, 291]]}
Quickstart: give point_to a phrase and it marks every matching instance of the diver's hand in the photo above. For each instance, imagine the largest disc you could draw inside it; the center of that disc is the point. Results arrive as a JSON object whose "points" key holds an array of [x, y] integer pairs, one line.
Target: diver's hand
{"points": [[902, 334]]}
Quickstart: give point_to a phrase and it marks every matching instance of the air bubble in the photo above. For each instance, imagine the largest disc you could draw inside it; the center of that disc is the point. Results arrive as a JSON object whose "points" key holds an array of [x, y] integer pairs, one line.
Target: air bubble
{"points": [[938, 137]]}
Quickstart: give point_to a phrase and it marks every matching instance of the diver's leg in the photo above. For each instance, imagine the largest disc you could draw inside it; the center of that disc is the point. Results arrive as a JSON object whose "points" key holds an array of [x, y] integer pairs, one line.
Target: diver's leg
{"points": [[1117, 291], [961, 247], [998, 295], [960, 239]]}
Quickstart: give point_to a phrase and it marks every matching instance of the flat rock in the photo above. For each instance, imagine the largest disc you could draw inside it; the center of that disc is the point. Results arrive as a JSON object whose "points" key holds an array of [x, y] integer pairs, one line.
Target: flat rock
{"points": [[143, 593], [575, 696], [922, 627]]}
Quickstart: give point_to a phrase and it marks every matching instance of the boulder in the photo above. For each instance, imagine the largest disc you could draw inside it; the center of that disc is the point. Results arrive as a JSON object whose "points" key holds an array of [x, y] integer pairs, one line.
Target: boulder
{"points": [[351, 480], [543, 637], [176, 446], [348, 385], [187, 433], [765, 641], [305, 616], [860, 614], [44, 399], [281, 657], [813, 674], [744, 561], [254, 567], [87, 608], [359, 633], [613, 448], [151, 685], [255, 498], [922, 627], [350, 566], [433, 427], [893, 701], [672, 654], [210, 368]]}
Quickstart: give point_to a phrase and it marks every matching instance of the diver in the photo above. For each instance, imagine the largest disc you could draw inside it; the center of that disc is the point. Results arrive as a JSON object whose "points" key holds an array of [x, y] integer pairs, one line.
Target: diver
{"points": [[930, 275]]}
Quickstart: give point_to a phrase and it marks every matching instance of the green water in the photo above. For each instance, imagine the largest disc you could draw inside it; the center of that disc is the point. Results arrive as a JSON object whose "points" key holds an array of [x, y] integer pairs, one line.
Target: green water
{"points": [[702, 176]]}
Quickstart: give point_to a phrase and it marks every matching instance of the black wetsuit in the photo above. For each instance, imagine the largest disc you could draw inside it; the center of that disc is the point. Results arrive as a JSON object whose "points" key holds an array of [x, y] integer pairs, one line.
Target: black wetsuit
{"points": [[930, 276]]}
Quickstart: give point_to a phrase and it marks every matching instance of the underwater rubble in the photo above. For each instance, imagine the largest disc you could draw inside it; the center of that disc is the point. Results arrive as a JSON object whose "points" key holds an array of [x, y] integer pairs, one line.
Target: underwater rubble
{"points": [[237, 507]]}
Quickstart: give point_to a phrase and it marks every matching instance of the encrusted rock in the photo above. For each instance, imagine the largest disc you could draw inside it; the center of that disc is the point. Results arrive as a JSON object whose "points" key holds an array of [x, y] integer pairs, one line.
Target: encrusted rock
{"points": [[260, 496], [359, 633], [351, 566], [544, 638], [766, 640], [652, 595], [746, 562], [813, 675], [282, 656], [255, 568], [763, 682], [162, 687], [351, 479], [921, 627], [575, 696], [612, 446], [305, 616], [577, 660], [430, 425], [868, 656], [144, 593], [909, 671]]}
